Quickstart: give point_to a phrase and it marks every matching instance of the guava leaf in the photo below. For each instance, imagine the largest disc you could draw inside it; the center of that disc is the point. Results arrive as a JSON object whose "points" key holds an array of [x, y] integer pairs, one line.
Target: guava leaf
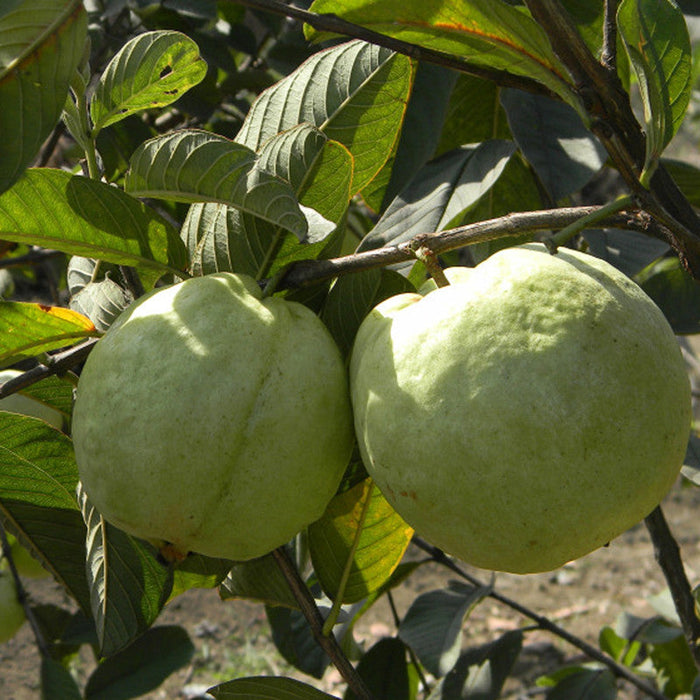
{"points": [[355, 93], [199, 166], [385, 671], [40, 48], [27, 330], [260, 580], [57, 681], [686, 176], [352, 297], [128, 585], [54, 392], [554, 140], [675, 292], [623, 650], [142, 667], [656, 39], [488, 33], [151, 70], [357, 543], [481, 672], [76, 215], [38, 476], [198, 571], [265, 688], [441, 191], [585, 684], [432, 627], [628, 251], [319, 171]]}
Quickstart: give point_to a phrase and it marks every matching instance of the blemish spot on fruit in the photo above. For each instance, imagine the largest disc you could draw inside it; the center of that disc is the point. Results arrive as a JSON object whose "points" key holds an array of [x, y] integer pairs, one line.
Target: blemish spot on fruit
{"points": [[171, 554], [408, 494]]}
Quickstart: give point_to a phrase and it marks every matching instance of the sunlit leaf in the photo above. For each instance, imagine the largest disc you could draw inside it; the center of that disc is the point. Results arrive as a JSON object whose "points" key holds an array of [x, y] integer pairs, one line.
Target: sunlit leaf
{"points": [[76, 215], [489, 33], [27, 330], [656, 38], [355, 93], [41, 45], [151, 70], [199, 166]]}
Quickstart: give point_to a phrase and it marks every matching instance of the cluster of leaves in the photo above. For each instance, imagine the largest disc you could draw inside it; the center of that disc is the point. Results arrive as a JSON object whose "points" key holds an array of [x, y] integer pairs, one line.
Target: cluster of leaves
{"points": [[203, 137]]}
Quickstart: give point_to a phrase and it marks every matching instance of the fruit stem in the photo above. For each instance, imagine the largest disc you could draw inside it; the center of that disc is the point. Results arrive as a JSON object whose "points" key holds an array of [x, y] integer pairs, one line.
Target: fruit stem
{"points": [[310, 610], [566, 234], [430, 259], [338, 598]]}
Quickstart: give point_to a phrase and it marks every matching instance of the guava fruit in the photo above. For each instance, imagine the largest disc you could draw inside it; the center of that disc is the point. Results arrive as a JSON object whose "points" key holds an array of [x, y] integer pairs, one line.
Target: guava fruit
{"points": [[213, 420], [526, 415], [26, 405], [12, 614]]}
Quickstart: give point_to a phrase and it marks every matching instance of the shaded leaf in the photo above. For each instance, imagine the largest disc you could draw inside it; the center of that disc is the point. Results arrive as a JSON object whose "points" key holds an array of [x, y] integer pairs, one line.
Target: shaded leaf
{"points": [[267, 688], [554, 140], [686, 176], [481, 672], [655, 36], [357, 543], [441, 191], [57, 681], [26, 330], [55, 209], [151, 70], [355, 93], [40, 48], [38, 477], [585, 684], [260, 580], [675, 292], [143, 666], [489, 33], [54, 392], [198, 571], [199, 166], [128, 585], [385, 671], [432, 627], [628, 251]]}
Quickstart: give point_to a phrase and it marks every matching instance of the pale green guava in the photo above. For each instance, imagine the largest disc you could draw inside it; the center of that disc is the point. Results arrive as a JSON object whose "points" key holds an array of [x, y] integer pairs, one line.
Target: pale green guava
{"points": [[11, 611], [525, 416], [26, 405], [455, 275], [213, 420]]}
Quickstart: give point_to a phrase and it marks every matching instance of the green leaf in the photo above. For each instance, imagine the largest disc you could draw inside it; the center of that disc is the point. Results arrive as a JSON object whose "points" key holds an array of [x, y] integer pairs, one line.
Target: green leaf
{"points": [[198, 571], [40, 48], [481, 672], [143, 666], [675, 292], [488, 33], [27, 330], [669, 652], [128, 585], [385, 671], [628, 251], [57, 681], [357, 543], [151, 70], [355, 93], [655, 36], [686, 176], [267, 688], [38, 477], [441, 191], [198, 166], [623, 650], [432, 627], [260, 580], [54, 392], [76, 215], [554, 140], [585, 684]]}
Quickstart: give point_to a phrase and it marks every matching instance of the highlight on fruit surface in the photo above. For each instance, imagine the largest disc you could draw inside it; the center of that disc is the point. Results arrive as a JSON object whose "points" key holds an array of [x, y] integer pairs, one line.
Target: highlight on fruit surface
{"points": [[212, 419], [525, 415]]}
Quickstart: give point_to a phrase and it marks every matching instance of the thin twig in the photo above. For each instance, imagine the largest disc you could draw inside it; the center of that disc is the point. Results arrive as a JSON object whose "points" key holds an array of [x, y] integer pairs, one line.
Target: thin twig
{"points": [[335, 25], [608, 56], [542, 622], [668, 556], [310, 610]]}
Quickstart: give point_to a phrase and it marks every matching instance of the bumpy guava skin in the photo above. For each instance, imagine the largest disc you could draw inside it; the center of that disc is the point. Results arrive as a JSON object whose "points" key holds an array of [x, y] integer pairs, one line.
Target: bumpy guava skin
{"points": [[213, 420], [526, 415], [11, 611]]}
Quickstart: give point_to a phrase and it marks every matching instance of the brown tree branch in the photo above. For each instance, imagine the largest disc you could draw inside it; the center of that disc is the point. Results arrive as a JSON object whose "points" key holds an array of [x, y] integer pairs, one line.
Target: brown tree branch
{"points": [[310, 610], [668, 556]]}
